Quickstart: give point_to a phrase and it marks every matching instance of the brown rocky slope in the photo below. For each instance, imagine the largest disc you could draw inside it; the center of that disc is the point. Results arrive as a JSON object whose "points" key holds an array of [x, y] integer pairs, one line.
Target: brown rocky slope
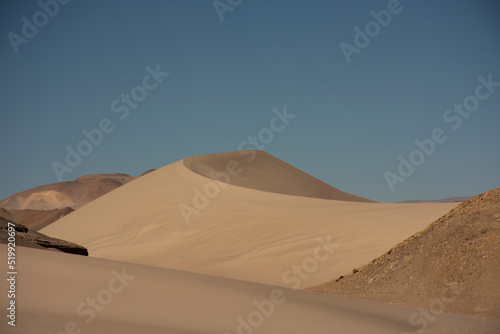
{"points": [[453, 265]]}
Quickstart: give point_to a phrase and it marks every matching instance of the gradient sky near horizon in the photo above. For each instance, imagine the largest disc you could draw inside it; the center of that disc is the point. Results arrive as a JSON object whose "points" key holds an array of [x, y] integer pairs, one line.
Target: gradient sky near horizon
{"points": [[353, 120]]}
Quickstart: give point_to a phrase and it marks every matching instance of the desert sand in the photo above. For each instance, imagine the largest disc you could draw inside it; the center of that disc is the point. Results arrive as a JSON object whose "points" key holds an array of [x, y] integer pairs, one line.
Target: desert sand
{"points": [[62, 293], [271, 225]]}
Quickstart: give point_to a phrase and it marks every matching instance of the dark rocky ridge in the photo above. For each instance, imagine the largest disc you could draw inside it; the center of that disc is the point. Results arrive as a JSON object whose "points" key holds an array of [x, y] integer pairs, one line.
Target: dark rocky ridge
{"points": [[27, 238]]}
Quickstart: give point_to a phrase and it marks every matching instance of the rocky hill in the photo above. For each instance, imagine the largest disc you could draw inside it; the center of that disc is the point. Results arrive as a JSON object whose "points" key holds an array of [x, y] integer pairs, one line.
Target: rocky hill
{"points": [[452, 265]]}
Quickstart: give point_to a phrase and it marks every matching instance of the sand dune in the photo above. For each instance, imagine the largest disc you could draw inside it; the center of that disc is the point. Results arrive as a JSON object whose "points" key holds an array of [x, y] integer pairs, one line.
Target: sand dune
{"points": [[177, 218], [69, 293]]}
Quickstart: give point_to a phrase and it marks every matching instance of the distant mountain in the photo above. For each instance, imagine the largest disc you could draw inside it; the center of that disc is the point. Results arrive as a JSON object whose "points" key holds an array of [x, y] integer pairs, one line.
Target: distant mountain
{"points": [[444, 200], [454, 262], [73, 194], [41, 206], [35, 219]]}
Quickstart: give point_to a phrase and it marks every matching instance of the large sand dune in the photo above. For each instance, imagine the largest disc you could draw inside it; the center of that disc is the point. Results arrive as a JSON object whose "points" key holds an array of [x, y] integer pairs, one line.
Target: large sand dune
{"points": [[180, 219], [60, 293]]}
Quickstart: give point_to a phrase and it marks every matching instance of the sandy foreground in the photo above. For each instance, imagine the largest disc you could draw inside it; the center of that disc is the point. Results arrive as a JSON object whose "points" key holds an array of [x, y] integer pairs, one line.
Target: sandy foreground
{"points": [[62, 293], [177, 218]]}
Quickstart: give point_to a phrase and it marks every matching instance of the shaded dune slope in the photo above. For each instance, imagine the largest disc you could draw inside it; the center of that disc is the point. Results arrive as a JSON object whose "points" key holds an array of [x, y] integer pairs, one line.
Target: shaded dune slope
{"points": [[261, 171]]}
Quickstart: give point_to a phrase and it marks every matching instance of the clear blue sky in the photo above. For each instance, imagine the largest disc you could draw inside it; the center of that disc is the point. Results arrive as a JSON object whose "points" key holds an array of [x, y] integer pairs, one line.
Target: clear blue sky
{"points": [[353, 120]]}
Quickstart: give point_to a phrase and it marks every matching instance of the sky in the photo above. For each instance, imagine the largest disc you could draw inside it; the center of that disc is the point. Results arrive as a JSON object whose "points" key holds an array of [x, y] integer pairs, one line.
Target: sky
{"points": [[154, 82]]}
